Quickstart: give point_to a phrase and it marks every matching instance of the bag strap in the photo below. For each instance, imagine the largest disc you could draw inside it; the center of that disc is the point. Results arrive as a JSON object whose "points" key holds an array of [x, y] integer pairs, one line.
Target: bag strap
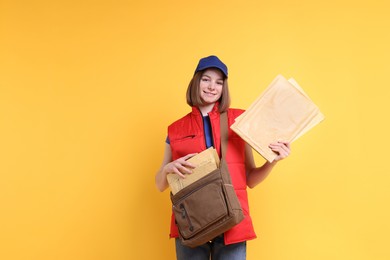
{"points": [[224, 140], [224, 133]]}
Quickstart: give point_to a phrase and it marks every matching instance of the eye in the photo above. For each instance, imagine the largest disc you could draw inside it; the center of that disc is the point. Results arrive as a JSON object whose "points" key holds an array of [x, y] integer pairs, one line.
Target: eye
{"points": [[204, 79], [220, 82]]}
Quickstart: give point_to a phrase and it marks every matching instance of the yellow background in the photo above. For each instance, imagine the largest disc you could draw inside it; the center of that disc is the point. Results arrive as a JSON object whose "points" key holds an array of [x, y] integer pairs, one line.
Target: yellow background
{"points": [[87, 89]]}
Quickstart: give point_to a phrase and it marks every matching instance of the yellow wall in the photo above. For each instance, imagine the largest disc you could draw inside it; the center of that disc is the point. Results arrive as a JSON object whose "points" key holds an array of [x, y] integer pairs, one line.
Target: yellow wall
{"points": [[78, 153]]}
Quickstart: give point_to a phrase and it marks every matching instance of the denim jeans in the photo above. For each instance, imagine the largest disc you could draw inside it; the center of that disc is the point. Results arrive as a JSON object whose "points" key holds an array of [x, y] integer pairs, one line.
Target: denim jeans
{"points": [[215, 250]]}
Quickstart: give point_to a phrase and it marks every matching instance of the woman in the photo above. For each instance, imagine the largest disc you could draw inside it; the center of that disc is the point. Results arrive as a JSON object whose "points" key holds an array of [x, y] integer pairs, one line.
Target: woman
{"points": [[208, 95]]}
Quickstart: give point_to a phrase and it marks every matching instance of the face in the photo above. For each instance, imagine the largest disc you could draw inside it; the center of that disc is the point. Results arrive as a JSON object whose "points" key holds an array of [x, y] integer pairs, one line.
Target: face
{"points": [[210, 86]]}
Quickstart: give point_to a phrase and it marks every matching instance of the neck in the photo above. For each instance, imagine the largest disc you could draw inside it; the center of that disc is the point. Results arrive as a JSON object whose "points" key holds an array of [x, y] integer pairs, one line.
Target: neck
{"points": [[206, 109]]}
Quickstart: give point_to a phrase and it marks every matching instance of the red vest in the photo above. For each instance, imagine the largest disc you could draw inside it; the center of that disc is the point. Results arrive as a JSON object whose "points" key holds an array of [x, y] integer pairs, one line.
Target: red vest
{"points": [[186, 136]]}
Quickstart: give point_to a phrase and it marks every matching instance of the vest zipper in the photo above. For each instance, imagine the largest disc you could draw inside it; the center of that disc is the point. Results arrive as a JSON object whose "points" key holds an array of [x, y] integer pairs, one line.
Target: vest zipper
{"points": [[202, 129]]}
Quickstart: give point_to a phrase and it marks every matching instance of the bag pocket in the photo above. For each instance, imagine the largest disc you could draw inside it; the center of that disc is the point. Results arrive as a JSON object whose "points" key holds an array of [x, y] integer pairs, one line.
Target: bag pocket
{"points": [[234, 203], [200, 208]]}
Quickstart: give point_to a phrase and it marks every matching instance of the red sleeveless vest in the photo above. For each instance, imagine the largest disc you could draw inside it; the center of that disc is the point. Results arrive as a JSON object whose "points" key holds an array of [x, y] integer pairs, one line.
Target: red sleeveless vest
{"points": [[186, 136]]}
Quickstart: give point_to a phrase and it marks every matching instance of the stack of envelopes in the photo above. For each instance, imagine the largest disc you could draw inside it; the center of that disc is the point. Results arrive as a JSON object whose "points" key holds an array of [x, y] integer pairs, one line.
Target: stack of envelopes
{"points": [[283, 112], [204, 162]]}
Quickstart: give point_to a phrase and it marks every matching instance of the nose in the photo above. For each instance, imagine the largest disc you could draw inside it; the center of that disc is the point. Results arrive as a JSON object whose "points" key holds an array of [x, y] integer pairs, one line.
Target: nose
{"points": [[211, 85]]}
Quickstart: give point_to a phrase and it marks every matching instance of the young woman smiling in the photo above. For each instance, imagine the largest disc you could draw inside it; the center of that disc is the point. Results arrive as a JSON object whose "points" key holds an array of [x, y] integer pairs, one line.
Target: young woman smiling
{"points": [[208, 96]]}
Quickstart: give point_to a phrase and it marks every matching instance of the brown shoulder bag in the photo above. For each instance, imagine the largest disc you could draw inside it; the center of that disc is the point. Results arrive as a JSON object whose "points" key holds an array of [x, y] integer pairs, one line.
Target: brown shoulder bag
{"points": [[208, 207]]}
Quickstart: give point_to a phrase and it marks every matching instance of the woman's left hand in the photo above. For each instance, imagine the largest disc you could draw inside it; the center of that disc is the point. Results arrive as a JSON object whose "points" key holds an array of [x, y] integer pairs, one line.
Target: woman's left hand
{"points": [[282, 149]]}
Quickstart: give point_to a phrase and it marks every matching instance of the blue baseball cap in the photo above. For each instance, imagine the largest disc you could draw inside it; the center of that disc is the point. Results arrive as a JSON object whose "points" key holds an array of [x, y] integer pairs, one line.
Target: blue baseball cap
{"points": [[212, 62]]}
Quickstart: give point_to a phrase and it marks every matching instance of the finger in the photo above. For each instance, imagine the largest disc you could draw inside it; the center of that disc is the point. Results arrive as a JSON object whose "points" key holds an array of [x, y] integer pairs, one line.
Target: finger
{"points": [[189, 165], [275, 146], [280, 146], [184, 170], [285, 149], [179, 173], [286, 144], [280, 142], [188, 156], [179, 165], [183, 160], [281, 151], [280, 156]]}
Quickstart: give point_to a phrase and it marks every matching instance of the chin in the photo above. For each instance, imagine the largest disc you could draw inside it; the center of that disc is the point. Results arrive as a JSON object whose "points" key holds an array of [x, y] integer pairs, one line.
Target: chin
{"points": [[209, 102]]}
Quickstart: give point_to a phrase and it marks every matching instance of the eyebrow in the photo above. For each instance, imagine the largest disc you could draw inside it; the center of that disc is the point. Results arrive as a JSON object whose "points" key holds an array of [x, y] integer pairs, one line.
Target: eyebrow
{"points": [[205, 75]]}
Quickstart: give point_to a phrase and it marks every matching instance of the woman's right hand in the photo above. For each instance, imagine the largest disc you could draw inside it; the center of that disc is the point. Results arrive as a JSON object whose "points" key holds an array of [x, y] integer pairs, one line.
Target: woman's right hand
{"points": [[180, 166]]}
